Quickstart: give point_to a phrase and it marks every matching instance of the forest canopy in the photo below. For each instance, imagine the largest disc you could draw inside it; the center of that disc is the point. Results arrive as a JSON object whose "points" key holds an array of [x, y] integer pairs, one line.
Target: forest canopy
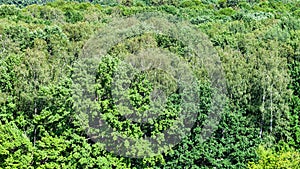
{"points": [[49, 79]]}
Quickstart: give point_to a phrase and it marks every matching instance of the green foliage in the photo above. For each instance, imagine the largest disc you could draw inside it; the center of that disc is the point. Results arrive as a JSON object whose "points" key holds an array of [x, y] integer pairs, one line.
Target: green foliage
{"points": [[257, 42], [284, 158], [6, 10], [16, 150]]}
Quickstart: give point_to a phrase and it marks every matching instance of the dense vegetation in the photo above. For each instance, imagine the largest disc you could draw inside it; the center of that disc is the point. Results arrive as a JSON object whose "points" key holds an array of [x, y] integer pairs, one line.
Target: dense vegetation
{"points": [[257, 42]]}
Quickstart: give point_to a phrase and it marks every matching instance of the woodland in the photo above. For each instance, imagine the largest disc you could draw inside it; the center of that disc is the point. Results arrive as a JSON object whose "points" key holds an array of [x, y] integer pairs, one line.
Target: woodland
{"points": [[42, 42]]}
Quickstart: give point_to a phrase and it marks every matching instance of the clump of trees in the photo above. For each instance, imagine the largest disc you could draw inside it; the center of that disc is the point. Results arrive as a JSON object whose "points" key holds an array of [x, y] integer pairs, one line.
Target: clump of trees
{"points": [[258, 46]]}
